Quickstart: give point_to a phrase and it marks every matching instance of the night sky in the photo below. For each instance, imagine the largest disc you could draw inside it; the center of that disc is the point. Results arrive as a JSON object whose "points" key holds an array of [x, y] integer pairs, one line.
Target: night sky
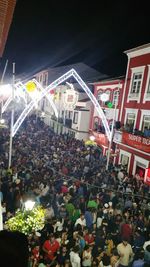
{"points": [[53, 33]]}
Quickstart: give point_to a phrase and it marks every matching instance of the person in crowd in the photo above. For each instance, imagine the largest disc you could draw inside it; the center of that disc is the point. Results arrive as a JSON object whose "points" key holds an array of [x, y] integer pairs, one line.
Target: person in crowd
{"points": [[74, 257], [13, 249], [50, 248], [138, 260], [64, 175], [87, 256], [125, 252]]}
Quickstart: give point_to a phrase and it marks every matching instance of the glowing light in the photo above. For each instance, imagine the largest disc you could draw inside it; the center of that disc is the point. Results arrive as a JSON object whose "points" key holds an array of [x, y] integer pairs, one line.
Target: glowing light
{"points": [[2, 121], [92, 138], [5, 91], [30, 86], [29, 204]]}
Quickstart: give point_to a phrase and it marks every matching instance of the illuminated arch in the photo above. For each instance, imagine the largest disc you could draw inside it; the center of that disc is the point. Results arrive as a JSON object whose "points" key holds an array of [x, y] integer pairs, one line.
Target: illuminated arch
{"points": [[53, 85], [20, 91]]}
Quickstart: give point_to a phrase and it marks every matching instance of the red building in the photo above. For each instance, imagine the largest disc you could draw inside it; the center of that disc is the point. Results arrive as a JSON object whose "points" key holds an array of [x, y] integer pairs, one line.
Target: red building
{"points": [[6, 14], [114, 89], [134, 140], [131, 143]]}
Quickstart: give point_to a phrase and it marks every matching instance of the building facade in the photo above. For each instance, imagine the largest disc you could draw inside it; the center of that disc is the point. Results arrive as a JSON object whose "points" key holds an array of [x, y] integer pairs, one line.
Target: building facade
{"points": [[6, 14], [131, 134], [114, 89], [134, 139]]}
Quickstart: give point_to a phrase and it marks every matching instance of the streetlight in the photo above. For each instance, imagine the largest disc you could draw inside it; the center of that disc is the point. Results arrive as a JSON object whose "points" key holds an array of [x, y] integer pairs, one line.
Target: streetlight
{"points": [[12, 119], [29, 204]]}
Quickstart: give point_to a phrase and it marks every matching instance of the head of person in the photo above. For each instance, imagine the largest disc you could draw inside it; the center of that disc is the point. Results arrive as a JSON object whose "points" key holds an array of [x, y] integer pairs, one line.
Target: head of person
{"points": [[76, 249], [82, 216], [51, 238], [125, 241], [13, 249]]}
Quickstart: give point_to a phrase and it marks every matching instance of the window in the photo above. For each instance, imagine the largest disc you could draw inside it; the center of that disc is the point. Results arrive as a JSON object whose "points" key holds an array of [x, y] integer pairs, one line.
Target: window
{"points": [[115, 97], [130, 119], [70, 114], [45, 79], [136, 83], [148, 89], [75, 118], [146, 122], [124, 160]]}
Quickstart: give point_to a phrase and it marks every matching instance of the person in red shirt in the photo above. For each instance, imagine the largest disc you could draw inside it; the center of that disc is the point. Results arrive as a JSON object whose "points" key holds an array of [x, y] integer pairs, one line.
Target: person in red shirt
{"points": [[36, 254], [126, 231], [50, 247], [89, 238]]}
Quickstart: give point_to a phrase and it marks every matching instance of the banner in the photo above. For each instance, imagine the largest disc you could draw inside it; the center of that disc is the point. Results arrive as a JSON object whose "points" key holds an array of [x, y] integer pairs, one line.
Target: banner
{"points": [[147, 176], [100, 139], [138, 142]]}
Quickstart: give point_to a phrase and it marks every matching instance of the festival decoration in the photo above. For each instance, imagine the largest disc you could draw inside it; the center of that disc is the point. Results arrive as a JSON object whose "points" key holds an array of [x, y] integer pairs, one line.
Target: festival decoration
{"points": [[27, 221], [30, 86], [90, 143]]}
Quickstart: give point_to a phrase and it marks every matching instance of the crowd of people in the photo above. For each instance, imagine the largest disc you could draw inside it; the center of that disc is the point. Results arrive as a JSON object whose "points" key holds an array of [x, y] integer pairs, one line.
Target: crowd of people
{"points": [[93, 217]]}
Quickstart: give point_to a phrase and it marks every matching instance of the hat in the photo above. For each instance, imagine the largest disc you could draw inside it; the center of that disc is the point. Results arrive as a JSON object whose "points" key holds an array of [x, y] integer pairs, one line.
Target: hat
{"points": [[106, 205]]}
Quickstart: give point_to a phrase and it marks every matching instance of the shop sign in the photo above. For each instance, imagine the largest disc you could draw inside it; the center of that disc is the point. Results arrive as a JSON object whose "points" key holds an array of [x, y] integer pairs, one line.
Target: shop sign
{"points": [[147, 176], [136, 141]]}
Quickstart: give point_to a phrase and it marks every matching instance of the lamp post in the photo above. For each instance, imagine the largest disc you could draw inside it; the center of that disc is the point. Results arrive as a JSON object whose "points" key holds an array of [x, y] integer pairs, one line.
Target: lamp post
{"points": [[12, 119]]}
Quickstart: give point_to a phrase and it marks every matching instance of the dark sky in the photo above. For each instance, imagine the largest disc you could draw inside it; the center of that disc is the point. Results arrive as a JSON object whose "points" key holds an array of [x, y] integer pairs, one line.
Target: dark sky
{"points": [[53, 33]]}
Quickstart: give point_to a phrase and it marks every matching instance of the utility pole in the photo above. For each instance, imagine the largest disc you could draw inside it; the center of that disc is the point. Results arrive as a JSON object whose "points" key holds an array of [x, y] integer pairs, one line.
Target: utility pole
{"points": [[12, 119], [2, 78], [112, 133]]}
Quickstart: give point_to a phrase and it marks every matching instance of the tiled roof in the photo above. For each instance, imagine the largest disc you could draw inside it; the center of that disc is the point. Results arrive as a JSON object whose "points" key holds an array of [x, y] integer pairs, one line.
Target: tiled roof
{"points": [[87, 73]]}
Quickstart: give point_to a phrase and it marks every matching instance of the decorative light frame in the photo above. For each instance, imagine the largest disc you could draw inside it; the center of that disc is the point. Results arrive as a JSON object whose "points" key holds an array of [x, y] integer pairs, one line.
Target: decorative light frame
{"points": [[45, 92]]}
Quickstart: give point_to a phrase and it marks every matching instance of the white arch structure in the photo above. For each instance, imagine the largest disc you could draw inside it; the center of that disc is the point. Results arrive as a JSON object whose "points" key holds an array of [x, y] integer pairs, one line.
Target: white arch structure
{"points": [[20, 92], [52, 86]]}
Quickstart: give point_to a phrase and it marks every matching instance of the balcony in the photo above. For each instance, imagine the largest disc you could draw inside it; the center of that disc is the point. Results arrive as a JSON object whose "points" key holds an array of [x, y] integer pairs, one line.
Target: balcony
{"points": [[132, 140]]}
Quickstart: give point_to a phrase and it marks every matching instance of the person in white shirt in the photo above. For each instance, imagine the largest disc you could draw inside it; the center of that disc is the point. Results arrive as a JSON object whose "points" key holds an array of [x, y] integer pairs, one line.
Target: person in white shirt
{"points": [[81, 221], [125, 252], [75, 258]]}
